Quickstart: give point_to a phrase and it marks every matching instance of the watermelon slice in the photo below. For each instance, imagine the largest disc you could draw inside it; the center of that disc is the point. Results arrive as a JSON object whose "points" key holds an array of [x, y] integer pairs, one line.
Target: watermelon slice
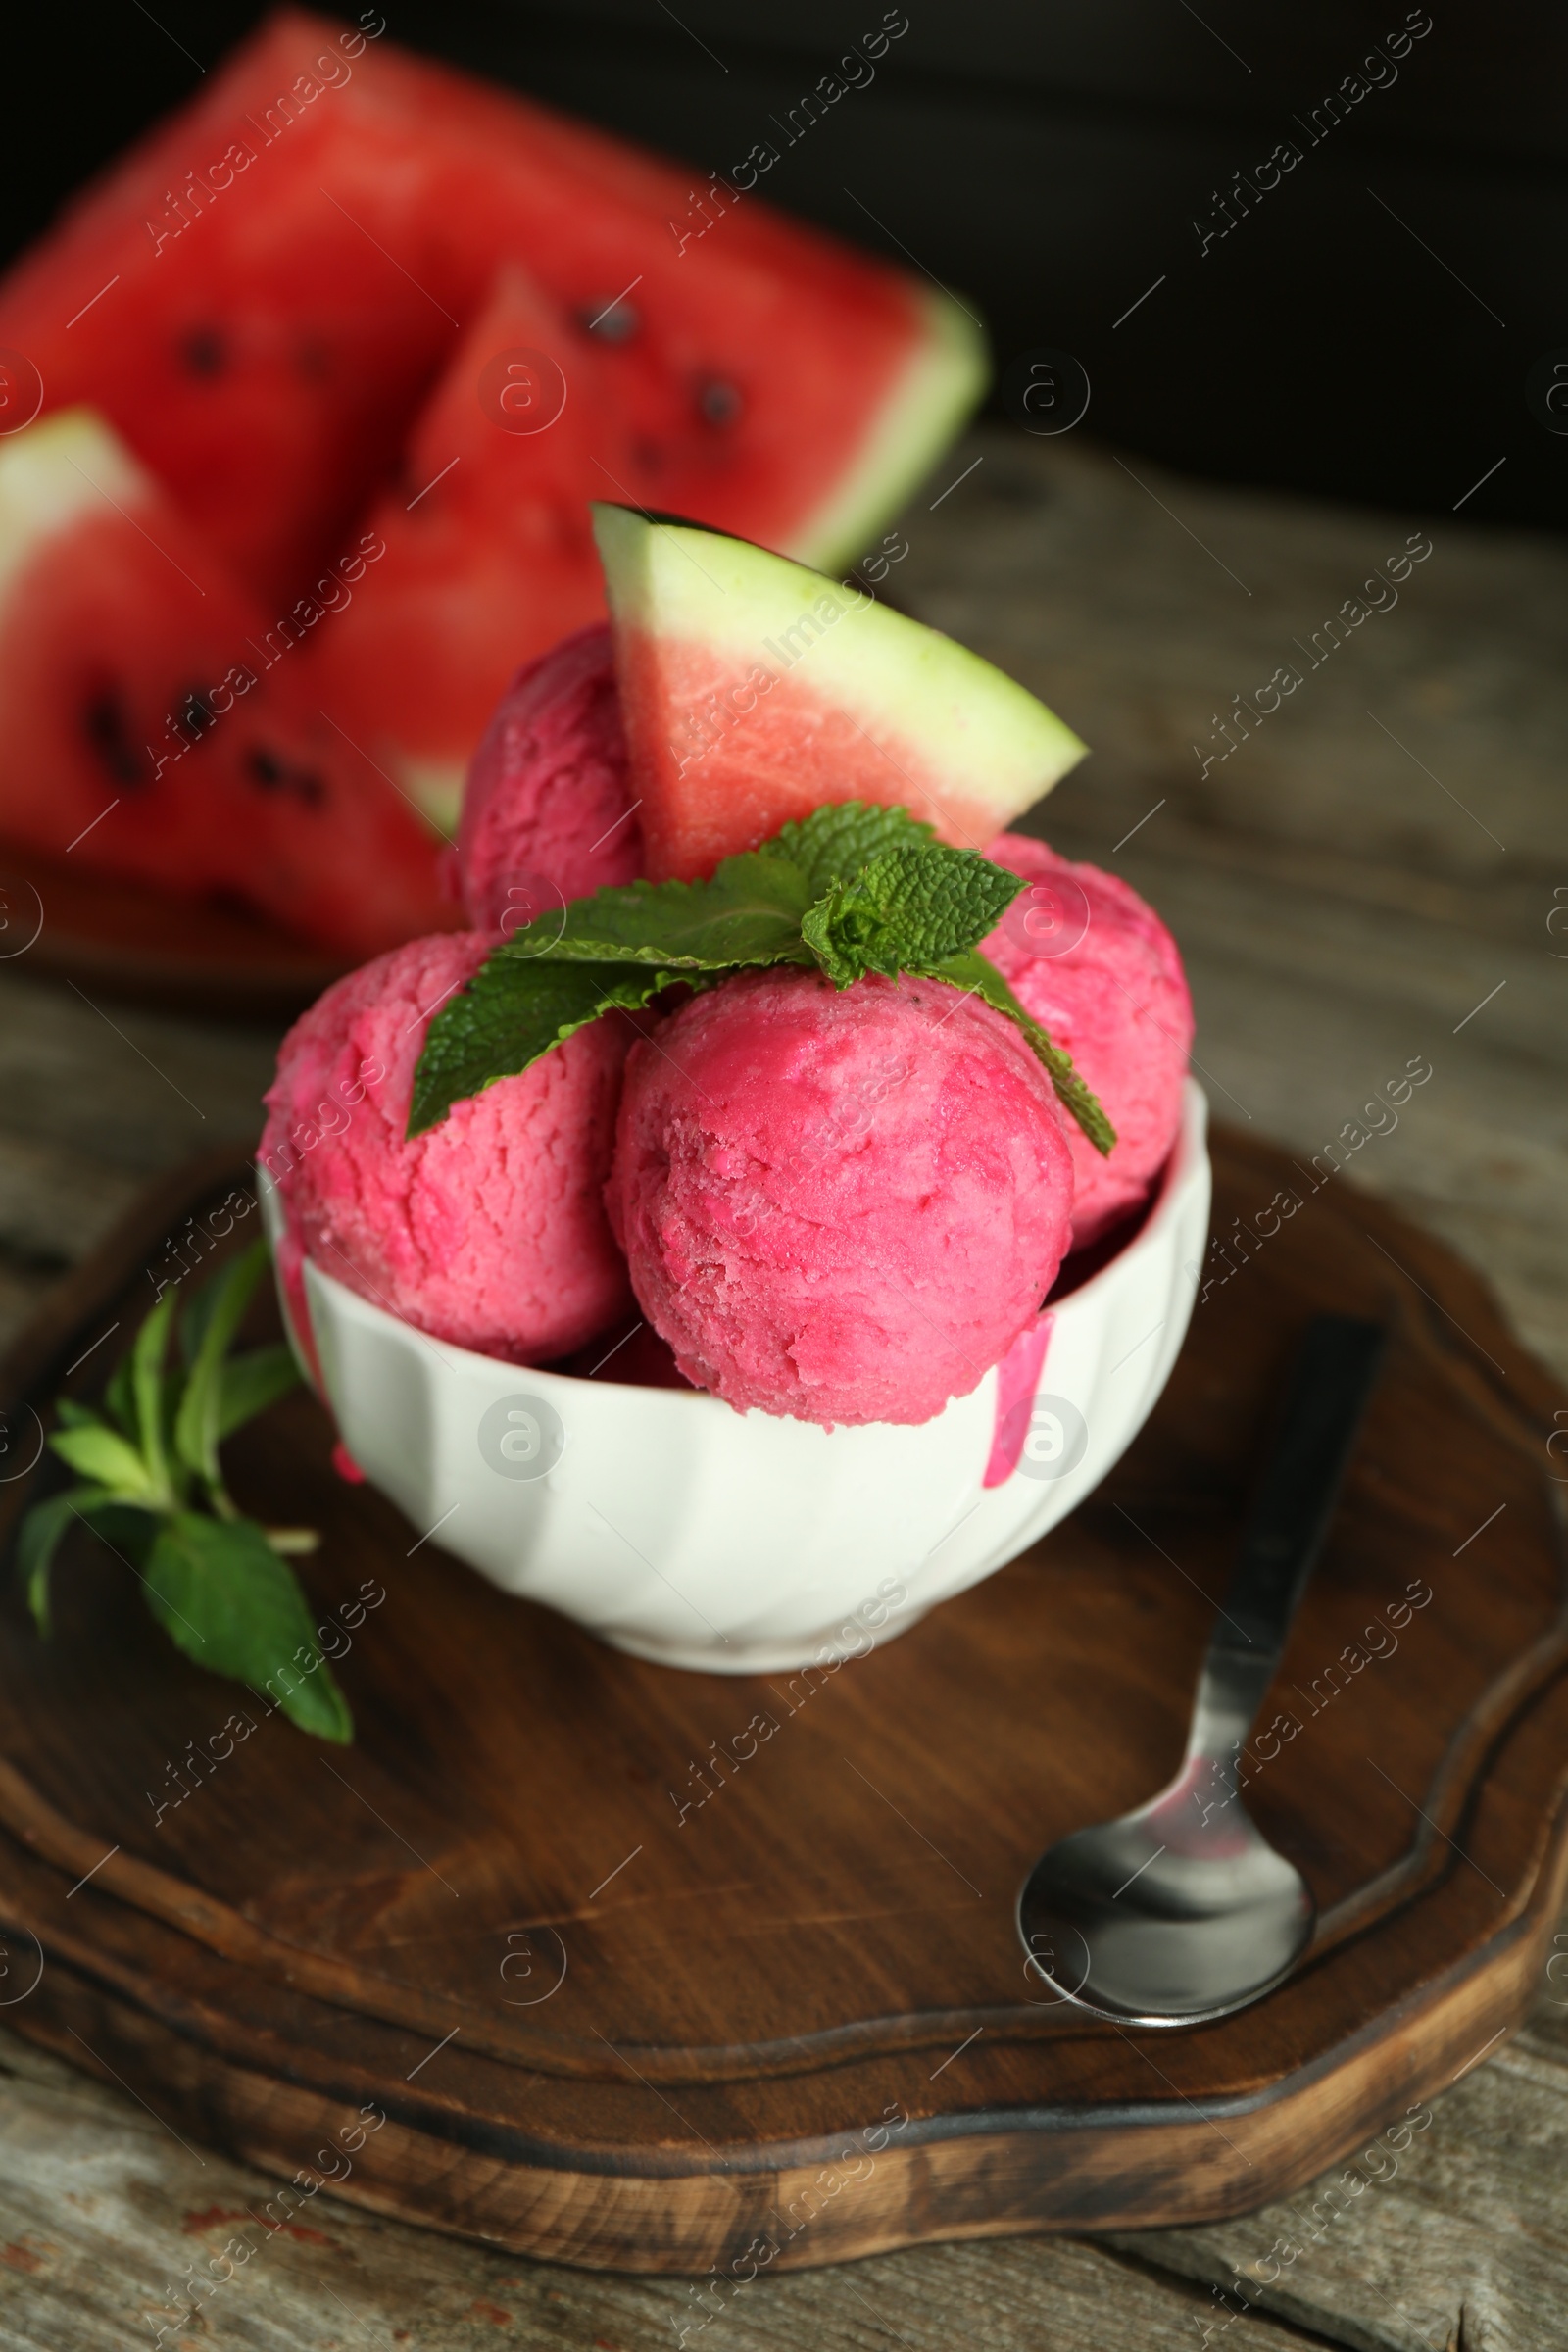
{"points": [[144, 730], [240, 330], [490, 553], [754, 690], [260, 294]]}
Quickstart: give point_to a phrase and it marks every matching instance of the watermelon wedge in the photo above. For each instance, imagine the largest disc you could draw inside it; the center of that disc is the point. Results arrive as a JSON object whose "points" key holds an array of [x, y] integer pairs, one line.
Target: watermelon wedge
{"points": [[490, 554], [754, 690], [148, 719], [240, 330], [259, 295]]}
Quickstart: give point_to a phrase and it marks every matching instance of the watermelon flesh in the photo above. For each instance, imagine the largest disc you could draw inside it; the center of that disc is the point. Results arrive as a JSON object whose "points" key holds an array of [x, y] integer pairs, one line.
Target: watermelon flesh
{"points": [[259, 294], [240, 332], [144, 731], [754, 690], [490, 555], [263, 302]]}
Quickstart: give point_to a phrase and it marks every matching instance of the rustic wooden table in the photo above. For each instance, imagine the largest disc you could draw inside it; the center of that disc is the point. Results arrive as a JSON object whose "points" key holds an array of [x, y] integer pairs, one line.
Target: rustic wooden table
{"points": [[1378, 869]]}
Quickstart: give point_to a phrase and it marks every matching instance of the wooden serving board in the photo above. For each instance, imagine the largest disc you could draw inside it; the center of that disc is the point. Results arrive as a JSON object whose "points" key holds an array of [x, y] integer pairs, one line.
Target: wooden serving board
{"points": [[612, 2025]]}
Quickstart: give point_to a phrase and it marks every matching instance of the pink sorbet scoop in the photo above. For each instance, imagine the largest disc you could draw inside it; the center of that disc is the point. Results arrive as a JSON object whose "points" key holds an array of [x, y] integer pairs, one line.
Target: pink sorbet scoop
{"points": [[488, 1230], [1098, 971], [547, 812], [842, 1205]]}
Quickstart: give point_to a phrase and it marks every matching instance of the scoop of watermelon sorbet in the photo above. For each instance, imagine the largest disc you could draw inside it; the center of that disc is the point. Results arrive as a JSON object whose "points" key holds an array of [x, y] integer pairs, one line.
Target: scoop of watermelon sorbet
{"points": [[547, 810], [1098, 971], [488, 1230], [842, 1205]]}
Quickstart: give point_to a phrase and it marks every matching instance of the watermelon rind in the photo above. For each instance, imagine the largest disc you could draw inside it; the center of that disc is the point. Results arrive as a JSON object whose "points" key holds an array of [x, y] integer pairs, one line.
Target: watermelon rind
{"points": [[940, 386], [993, 744], [435, 787], [53, 471]]}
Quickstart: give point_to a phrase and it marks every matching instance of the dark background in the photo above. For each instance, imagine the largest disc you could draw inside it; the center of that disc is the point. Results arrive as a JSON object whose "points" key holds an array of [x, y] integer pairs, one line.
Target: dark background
{"points": [[1047, 160]]}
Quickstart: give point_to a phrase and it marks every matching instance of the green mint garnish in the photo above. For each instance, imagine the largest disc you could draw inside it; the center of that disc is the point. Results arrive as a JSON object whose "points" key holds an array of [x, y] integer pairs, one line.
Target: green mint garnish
{"points": [[972, 970], [512, 1011], [748, 913], [834, 843], [852, 889], [219, 1584], [907, 912]]}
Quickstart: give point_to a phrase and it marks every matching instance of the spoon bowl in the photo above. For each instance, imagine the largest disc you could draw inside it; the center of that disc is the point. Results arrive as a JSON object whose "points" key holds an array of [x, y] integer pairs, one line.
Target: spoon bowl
{"points": [[1181, 1910], [1170, 1915]]}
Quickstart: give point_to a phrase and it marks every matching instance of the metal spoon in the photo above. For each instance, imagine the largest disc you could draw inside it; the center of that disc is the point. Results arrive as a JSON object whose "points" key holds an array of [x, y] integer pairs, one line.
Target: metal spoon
{"points": [[1181, 1911]]}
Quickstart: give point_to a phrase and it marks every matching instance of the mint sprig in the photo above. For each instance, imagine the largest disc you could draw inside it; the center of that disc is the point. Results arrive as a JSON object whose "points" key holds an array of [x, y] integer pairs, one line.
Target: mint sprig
{"points": [[152, 1487], [748, 913], [977, 973], [835, 842], [853, 889], [512, 1012], [907, 912]]}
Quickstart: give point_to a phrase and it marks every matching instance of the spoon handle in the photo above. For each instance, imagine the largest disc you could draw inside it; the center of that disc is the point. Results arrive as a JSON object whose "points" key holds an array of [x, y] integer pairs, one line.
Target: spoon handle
{"points": [[1331, 1382]]}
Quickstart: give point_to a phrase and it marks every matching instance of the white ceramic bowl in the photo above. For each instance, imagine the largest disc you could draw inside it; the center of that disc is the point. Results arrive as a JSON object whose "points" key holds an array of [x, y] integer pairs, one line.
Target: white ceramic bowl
{"points": [[682, 1531]]}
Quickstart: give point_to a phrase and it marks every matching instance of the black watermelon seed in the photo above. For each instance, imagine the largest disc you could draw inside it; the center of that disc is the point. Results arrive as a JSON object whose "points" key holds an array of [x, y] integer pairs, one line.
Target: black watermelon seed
{"points": [[204, 352], [108, 730], [264, 770], [309, 787], [719, 403], [612, 321], [194, 715]]}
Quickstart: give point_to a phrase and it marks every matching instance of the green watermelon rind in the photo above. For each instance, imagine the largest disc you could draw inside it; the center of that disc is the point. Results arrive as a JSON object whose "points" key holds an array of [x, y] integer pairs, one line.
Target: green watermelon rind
{"points": [[50, 475], [991, 741], [943, 380]]}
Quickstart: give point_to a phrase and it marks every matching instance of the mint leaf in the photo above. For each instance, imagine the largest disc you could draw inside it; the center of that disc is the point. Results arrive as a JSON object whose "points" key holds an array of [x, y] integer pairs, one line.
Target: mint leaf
{"points": [[249, 1383], [834, 843], [855, 888], [980, 976], [749, 911], [120, 1398], [213, 1316], [99, 1452], [508, 1016], [223, 1595], [127, 1527], [39, 1540], [218, 1586], [148, 1394], [908, 911]]}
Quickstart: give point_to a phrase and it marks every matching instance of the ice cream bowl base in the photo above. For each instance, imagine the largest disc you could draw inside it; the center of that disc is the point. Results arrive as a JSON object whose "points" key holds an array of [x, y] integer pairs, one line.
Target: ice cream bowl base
{"points": [[723, 1542]]}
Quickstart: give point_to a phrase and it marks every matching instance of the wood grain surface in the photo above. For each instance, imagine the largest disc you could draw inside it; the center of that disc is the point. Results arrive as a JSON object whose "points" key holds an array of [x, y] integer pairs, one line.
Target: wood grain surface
{"points": [[1329, 934], [625, 1982]]}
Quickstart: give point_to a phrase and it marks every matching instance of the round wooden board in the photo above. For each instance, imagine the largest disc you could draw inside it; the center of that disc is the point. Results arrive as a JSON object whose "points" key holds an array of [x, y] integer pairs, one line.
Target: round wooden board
{"points": [[792, 2024]]}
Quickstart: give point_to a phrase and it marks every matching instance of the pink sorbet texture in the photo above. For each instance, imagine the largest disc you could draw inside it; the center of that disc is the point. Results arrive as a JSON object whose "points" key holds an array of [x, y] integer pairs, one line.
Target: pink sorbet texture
{"points": [[840, 1205], [488, 1230], [1098, 971], [547, 810]]}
